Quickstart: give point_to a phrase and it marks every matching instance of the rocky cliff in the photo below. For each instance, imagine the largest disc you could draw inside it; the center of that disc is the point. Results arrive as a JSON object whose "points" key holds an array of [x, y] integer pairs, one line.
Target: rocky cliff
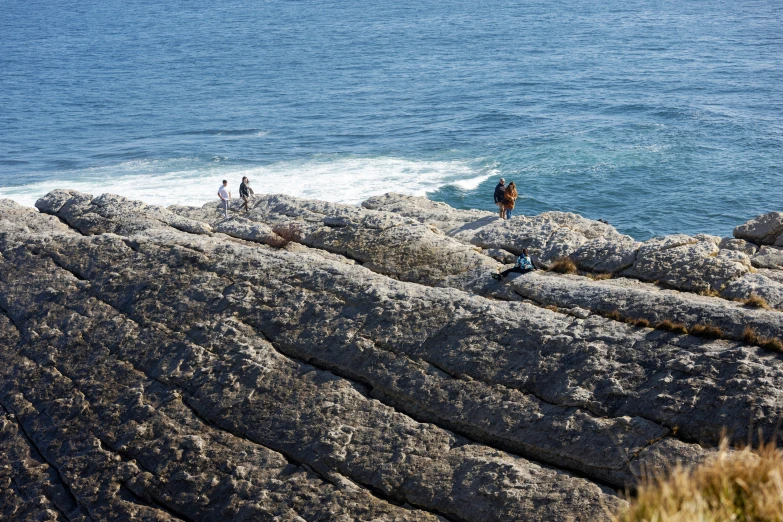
{"points": [[315, 361]]}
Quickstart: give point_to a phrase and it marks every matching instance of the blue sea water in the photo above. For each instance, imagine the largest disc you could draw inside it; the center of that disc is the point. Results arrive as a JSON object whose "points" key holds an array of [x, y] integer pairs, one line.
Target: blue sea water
{"points": [[659, 116]]}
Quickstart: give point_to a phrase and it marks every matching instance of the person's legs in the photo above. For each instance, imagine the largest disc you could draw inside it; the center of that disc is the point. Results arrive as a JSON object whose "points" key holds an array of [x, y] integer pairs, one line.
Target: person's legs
{"points": [[515, 269], [504, 273], [225, 207], [244, 204], [501, 210], [508, 213]]}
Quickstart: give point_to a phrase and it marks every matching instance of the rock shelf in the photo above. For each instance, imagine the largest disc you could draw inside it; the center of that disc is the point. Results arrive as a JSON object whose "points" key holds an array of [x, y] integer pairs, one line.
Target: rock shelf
{"points": [[316, 361]]}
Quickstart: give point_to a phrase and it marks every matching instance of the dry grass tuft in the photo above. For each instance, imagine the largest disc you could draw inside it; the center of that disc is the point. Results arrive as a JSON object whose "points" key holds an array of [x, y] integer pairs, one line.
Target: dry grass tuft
{"points": [[673, 327], [563, 265], [706, 330], [750, 336], [772, 344], [745, 485], [552, 308], [644, 323], [756, 301], [599, 277], [710, 292], [615, 315]]}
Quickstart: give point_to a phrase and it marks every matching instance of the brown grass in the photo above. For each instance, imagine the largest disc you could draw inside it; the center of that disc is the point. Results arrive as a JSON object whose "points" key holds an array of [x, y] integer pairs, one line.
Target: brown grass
{"points": [[756, 301], [710, 292], [706, 330], [615, 315], [563, 265], [772, 344], [552, 308], [644, 323], [750, 336], [599, 277], [673, 327], [742, 486]]}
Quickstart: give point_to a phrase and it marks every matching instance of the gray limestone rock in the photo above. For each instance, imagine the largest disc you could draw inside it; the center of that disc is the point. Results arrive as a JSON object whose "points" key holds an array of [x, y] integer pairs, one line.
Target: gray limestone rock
{"points": [[768, 257], [114, 214], [765, 229], [730, 243], [694, 264], [146, 311], [314, 361], [606, 256], [385, 242], [687, 263], [760, 284], [634, 300]]}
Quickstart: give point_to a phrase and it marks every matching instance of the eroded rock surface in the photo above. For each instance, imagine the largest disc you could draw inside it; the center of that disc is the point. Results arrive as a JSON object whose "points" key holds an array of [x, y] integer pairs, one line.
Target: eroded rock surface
{"points": [[766, 229], [314, 361], [679, 261]]}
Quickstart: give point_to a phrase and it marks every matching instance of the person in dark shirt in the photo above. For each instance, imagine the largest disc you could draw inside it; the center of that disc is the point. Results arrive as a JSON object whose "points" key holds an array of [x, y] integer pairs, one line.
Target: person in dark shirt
{"points": [[245, 192], [500, 191]]}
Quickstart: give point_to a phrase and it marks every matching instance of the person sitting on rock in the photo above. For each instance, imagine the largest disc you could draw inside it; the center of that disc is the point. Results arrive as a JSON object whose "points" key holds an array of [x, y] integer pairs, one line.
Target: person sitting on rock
{"points": [[523, 265], [509, 198]]}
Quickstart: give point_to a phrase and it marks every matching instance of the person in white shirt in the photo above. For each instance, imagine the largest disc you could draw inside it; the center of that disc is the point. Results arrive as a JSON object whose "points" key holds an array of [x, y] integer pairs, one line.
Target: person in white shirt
{"points": [[225, 196]]}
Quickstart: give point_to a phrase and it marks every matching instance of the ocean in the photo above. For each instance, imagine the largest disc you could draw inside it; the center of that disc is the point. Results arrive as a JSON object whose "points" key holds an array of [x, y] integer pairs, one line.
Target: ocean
{"points": [[658, 116]]}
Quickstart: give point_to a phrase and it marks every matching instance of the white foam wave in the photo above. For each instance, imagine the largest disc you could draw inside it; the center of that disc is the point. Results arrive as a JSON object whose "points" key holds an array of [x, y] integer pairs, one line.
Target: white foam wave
{"points": [[189, 182]]}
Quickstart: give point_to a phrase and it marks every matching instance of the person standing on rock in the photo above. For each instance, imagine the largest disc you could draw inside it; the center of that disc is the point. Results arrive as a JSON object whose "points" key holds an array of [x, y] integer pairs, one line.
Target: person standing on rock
{"points": [[523, 265], [500, 190], [225, 196], [245, 192], [509, 198]]}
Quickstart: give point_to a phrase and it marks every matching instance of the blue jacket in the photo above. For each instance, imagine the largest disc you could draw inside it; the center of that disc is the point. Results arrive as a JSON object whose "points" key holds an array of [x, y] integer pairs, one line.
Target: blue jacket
{"points": [[524, 262]]}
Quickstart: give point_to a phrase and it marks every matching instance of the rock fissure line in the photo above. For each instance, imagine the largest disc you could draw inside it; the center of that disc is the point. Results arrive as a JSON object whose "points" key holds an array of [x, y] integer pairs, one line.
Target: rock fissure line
{"points": [[290, 458], [73, 273], [368, 487], [104, 444], [532, 301], [138, 500], [26, 434], [533, 457], [488, 439], [344, 253], [153, 503], [216, 425], [17, 486], [65, 222]]}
